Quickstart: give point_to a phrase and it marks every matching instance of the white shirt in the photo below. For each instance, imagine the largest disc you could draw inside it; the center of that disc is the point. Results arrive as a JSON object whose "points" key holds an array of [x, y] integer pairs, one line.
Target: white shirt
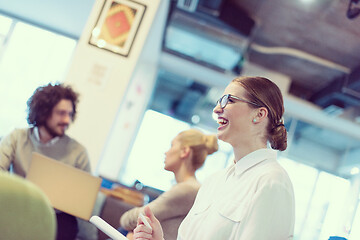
{"points": [[251, 200], [37, 137]]}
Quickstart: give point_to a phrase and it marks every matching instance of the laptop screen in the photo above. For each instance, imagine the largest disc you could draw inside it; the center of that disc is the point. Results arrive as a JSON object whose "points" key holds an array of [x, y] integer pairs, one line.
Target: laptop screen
{"points": [[69, 189]]}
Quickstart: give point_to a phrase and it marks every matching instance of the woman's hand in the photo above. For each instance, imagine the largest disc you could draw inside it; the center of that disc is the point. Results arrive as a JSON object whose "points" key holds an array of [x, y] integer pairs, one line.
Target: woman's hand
{"points": [[130, 236], [142, 232]]}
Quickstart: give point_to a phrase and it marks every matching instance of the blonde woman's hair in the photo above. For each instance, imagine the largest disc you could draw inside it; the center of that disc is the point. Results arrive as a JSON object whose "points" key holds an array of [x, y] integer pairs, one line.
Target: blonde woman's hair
{"points": [[201, 144]]}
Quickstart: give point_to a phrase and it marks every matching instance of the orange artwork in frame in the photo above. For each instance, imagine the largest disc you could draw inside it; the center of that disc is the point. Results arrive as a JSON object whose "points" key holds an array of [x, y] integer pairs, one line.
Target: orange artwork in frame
{"points": [[117, 25]]}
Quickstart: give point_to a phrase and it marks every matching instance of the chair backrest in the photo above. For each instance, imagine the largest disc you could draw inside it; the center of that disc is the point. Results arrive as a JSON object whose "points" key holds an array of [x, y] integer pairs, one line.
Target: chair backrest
{"points": [[25, 212]]}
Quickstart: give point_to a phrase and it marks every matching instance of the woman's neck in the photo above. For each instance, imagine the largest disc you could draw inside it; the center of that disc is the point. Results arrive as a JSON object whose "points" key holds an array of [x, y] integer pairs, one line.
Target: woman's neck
{"points": [[183, 174], [242, 151]]}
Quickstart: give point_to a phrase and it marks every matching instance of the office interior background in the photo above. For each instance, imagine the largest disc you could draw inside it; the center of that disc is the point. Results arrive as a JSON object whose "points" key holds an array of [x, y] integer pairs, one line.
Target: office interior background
{"points": [[129, 112]]}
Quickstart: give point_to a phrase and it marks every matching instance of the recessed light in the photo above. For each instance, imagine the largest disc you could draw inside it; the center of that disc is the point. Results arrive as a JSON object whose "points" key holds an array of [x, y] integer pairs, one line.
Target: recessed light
{"points": [[354, 171]]}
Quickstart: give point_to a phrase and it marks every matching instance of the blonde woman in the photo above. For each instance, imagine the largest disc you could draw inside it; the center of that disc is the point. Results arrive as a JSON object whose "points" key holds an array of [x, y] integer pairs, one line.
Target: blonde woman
{"points": [[187, 153]]}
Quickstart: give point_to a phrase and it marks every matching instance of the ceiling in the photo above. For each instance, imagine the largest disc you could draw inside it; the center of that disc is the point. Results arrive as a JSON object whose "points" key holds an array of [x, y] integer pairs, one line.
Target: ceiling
{"points": [[321, 30], [313, 43]]}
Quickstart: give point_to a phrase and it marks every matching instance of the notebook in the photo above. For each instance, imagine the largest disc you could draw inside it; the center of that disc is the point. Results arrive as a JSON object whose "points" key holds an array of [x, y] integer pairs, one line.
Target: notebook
{"points": [[69, 189]]}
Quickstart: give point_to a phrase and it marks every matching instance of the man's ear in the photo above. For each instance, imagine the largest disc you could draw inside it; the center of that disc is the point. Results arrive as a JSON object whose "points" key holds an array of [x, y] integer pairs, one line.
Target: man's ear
{"points": [[185, 151]]}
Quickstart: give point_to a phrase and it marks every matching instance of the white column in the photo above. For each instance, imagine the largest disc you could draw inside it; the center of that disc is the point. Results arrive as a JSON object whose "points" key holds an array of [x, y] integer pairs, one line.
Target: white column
{"points": [[108, 77]]}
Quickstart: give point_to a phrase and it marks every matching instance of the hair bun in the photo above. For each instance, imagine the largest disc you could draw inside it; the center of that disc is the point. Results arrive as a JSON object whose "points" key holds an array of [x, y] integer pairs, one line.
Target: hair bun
{"points": [[278, 138], [211, 143]]}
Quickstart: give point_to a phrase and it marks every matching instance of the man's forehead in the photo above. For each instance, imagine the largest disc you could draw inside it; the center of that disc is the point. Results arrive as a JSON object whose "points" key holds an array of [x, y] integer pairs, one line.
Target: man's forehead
{"points": [[64, 104]]}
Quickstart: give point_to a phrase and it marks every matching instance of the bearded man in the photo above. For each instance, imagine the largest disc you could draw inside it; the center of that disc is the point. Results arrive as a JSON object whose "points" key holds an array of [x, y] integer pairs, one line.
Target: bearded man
{"points": [[51, 109]]}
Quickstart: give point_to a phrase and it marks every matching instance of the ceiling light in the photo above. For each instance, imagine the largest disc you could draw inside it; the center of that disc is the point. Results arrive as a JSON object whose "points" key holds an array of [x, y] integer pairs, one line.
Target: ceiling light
{"points": [[195, 119], [307, 1], [354, 171], [202, 48], [333, 110], [187, 5]]}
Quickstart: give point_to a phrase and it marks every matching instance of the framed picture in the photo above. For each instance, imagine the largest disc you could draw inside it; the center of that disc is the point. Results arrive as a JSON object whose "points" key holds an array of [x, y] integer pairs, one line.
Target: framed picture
{"points": [[117, 25]]}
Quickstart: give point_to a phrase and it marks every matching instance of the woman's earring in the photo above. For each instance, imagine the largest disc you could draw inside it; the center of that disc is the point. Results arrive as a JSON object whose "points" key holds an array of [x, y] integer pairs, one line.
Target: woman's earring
{"points": [[254, 120]]}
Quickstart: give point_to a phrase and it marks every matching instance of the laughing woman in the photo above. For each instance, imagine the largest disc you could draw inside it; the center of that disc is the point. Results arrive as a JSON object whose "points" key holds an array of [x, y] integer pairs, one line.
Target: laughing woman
{"points": [[253, 198]]}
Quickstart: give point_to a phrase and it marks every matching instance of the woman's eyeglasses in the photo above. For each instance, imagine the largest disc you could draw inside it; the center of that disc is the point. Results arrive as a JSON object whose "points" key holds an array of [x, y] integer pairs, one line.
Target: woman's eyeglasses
{"points": [[225, 99]]}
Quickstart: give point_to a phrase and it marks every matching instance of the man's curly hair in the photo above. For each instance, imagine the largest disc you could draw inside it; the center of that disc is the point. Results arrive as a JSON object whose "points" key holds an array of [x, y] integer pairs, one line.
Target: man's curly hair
{"points": [[42, 102]]}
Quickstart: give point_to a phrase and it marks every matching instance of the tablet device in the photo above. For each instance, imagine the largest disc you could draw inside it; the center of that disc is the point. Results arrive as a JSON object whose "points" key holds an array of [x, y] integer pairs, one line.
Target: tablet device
{"points": [[107, 228]]}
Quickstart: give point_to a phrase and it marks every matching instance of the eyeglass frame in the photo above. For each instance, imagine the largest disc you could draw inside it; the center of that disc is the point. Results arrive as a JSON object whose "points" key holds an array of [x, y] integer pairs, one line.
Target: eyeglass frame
{"points": [[236, 98]]}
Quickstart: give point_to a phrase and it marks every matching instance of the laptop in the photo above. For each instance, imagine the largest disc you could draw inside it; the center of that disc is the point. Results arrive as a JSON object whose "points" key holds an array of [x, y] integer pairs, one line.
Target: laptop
{"points": [[69, 189]]}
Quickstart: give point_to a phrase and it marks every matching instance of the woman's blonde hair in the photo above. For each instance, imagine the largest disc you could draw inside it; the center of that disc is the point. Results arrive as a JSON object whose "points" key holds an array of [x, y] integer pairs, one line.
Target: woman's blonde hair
{"points": [[201, 144]]}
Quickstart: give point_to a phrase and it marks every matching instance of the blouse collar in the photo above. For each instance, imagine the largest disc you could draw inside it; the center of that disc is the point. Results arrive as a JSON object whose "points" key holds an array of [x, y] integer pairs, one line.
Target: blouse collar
{"points": [[252, 159]]}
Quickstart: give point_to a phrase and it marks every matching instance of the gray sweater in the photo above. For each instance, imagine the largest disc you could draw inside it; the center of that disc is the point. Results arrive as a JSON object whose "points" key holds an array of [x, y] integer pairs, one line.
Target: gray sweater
{"points": [[17, 147], [170, 208]]}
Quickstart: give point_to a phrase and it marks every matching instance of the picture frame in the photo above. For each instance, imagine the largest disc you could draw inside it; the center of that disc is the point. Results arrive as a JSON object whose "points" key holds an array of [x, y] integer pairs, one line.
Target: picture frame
{"points": [[117, 25]]}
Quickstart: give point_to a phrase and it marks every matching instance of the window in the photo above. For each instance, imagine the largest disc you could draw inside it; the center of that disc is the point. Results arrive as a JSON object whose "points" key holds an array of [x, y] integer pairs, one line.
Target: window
{"points": [[148, 152], [355, 230], [319, 201], [30, 58], [303, 189], [5, 24]]}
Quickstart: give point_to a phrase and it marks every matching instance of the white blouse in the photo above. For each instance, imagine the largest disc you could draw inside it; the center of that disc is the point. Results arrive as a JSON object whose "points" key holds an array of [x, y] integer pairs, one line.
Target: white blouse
{"points": [[251, 200]]}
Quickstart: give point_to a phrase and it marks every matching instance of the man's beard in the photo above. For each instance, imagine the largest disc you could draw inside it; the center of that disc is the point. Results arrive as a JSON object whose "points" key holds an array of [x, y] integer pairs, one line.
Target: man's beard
{"points": [[52, 132]]}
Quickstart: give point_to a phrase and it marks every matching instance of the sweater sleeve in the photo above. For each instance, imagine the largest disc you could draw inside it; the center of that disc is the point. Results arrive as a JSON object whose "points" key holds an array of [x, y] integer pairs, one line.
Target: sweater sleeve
{"points": [[83, 161], [7, 148], [173, 203]]}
